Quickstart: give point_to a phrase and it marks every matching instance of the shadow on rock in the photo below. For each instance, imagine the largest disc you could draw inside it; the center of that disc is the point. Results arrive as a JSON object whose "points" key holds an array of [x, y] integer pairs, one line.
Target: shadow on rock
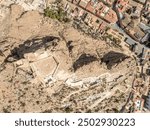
{"points": [[112, 58], [84, 59], [32, 46]]}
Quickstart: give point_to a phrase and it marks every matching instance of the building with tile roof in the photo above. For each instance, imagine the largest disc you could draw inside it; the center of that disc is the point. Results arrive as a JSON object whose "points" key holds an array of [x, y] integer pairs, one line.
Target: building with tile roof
{"points": [[122, 4], [102, 11], [147, 102]]}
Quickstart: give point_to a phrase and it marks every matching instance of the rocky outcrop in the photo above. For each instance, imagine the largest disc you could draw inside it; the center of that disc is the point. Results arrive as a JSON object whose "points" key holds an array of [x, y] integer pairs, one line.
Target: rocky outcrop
{"points": [[113, 58]]}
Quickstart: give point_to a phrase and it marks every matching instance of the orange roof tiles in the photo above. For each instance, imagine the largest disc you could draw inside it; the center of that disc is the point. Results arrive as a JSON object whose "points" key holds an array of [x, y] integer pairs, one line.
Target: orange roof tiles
{"points": [[100, 10], [122, 4], [90, 7], [83, 3], [111, 16], [106, 13]]}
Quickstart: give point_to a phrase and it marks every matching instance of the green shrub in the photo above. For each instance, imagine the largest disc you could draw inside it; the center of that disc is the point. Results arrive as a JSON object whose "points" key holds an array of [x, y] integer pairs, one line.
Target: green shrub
{"points": [[59, 14]]}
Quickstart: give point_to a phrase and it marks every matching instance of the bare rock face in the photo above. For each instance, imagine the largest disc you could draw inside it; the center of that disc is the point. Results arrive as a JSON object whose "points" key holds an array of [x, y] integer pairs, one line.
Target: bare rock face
{"points": [[26, 4], [27, 24], [16, 11]]}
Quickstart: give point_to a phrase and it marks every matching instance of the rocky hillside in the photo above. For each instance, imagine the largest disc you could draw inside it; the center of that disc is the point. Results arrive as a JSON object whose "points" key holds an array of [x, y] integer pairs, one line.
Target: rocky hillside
{"points": [[48, 66]]}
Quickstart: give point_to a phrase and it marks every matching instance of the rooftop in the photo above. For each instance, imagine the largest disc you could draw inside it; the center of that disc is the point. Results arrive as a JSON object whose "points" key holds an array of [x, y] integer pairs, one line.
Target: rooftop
{"points": [[102, 11]]}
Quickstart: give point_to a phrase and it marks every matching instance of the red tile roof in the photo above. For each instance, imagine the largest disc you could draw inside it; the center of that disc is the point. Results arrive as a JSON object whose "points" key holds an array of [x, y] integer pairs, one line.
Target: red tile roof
{"points": [[90, 7], [111, 16], [122, 4], [101, 10]]}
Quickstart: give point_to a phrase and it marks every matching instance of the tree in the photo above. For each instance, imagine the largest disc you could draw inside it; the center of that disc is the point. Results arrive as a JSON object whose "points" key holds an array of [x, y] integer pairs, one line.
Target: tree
{"points": [[59, 14]]}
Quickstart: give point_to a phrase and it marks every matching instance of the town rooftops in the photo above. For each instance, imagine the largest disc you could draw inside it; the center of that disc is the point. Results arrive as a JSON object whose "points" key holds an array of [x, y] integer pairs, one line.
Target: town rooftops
{"points": [[122, 4], [83, 3], [111, 16], [141, 1], [146, 38], [130, 42], [147, 102], [102, 11], [98, 8], [76, 1], [110, 2], [144, 27]]}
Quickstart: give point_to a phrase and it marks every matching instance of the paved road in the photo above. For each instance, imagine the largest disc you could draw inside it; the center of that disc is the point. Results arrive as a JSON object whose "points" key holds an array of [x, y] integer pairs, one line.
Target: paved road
{"points": [[115, 26]]}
